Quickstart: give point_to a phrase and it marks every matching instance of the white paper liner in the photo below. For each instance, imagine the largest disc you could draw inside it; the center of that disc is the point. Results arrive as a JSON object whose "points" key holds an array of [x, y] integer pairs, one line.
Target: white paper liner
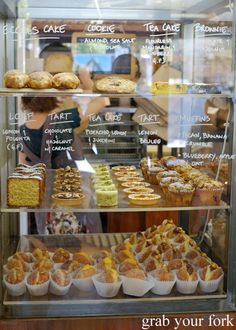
{"points": [[161, 288], [15, 289], [136, 287], [186, 287], [58, 289], [83, 284], [210, 286], [37, 289], [106, 290]]}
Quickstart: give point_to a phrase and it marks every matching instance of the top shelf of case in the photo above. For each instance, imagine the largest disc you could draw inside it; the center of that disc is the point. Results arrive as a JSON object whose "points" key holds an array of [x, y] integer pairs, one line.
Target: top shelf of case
{"points": [[28, 92]]}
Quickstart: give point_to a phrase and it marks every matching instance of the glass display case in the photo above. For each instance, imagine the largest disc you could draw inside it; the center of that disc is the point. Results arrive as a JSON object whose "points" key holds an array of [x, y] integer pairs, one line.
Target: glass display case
{"points": [[117, 157]]}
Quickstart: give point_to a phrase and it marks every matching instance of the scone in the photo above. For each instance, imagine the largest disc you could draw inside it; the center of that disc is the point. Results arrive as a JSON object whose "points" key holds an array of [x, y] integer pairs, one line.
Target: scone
{"points": [[115, 85], [15, 79], [65, 80], [40, 80]]}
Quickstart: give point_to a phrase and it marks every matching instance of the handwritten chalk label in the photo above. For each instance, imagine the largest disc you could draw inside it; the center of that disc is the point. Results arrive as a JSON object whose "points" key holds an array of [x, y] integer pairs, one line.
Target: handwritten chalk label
{"points": [[210, 29], [210, 156], [166, 27], [192, 119], [149, 141], [148, 119], [101, 28], [14, 140]]}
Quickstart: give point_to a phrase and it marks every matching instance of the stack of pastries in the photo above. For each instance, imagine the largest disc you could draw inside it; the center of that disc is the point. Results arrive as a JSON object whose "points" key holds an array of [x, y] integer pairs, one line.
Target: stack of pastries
{"points": [[106, 193], [166, 252], [67, 185], [181, 183], [26, 185], [40, 80]]}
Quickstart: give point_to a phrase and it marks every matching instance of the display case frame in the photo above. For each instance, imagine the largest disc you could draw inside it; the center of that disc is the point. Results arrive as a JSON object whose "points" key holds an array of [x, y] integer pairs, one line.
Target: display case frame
{"points": [[143, 306]]}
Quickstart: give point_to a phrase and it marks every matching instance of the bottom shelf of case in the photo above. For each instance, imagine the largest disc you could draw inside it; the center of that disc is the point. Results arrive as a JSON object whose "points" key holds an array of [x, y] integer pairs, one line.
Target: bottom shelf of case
{"points": [[76, 302]]}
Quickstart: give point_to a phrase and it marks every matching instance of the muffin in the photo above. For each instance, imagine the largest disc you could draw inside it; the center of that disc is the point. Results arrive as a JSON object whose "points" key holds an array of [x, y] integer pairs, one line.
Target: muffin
{"points": [[85, 271], [152, 174], [166, 181], [211, 272], [165, 174], [61, 255], [180, 193], [40, 253], [208, 192], [164, 280], [82, 258]]}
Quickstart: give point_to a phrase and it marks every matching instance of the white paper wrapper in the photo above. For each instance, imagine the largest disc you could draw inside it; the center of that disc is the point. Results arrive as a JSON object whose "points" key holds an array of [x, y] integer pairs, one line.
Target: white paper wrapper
{"points": [[136, 287], [38, 289], [15, 289], [83, 284], [210, 286], [58, 289], [162, 287], [186, 287], [106, 290]]}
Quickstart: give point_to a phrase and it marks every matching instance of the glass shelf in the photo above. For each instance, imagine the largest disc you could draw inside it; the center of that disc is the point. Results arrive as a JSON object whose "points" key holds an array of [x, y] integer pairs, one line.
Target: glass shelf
{"points": [[89, 203], [79, 92]]}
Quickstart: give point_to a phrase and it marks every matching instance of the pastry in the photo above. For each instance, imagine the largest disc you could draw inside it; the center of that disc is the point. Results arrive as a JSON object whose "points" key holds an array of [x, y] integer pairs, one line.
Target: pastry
{"points": [[124, 254], [135, 184], [61, 255], [85, 271], [180, 193], [82, 258], [135, 273], [101, 255], [165, 182], [201, 261], [166, 174], [43, 264], [40, 253], [128, 264], [70, 265], [65, 80], [61, 277], [123, 246], [152, 174], [108, 276], [208, 191], [26, 257], [138, 190], [15, 79], [176, 264], [16, 264], [106, 197], [38, 277], [106, 263], [123, 168], [68, 198], [187, 273], [40, 80], [211, 272], [116, 85], [163, 274], [15, 276], [144, 199]]}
